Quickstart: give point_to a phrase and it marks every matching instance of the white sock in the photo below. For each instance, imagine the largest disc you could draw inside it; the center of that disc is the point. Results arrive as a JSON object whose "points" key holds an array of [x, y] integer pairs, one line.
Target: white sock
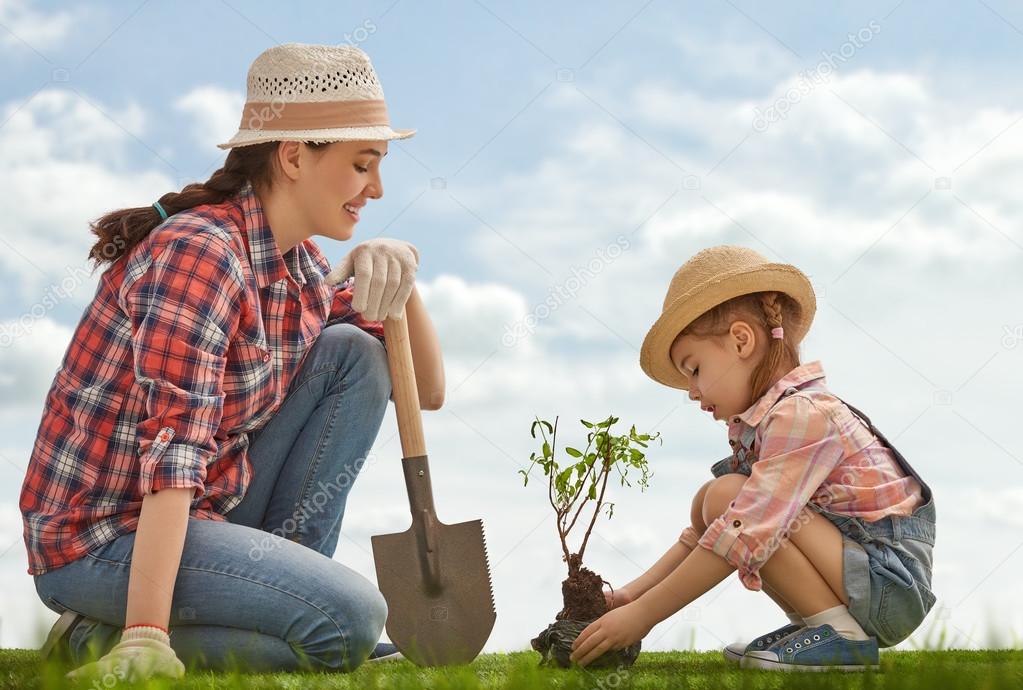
{"points": [[841, 620], [795, 618]]}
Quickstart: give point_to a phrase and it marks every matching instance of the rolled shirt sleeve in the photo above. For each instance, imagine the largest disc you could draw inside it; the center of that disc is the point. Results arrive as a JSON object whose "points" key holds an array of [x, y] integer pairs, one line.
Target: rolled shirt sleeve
{"points": [[689, 537], [799, 447], [184, 310]]}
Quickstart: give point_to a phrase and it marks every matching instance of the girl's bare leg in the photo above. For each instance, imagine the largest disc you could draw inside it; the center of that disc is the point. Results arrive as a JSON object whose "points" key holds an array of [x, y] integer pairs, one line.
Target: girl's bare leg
{"points": [[785, 606], [666, 563], [805, 572]]}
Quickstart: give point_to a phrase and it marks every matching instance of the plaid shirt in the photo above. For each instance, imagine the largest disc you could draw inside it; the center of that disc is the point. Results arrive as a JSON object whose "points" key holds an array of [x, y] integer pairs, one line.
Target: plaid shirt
{"points": [[189, 343], [806, 447]]}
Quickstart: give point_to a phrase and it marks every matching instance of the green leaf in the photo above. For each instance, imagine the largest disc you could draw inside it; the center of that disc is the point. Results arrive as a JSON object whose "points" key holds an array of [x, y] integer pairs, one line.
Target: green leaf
{"points": [[573, 452]]}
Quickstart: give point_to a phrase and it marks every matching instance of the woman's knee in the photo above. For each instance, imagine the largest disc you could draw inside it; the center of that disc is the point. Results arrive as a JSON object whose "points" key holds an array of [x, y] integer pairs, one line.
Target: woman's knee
{"points": [[349, 631], [720, 494], [365, 629], [361, 356]]}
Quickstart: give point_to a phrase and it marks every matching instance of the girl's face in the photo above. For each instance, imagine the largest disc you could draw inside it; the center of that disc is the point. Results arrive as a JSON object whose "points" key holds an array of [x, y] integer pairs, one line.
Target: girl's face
{"points": [[720, 368], [339, 182]]}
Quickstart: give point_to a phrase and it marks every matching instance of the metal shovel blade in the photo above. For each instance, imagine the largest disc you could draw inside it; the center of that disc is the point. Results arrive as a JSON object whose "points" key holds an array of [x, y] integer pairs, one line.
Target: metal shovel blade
{"points": [[436, 580]]}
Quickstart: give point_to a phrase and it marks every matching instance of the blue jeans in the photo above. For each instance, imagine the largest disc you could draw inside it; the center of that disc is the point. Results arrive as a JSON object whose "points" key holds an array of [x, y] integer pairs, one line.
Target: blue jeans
{"points": [[261, 592]]}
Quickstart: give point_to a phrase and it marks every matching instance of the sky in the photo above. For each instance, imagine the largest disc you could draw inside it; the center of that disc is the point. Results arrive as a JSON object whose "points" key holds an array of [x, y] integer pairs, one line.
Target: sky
{"points": [[566, 163]]}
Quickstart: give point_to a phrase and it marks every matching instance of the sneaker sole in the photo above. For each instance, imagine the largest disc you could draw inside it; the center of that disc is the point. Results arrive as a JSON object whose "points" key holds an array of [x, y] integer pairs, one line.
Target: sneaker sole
{"points": [[731, 656], [389, 657], [751, 661]]}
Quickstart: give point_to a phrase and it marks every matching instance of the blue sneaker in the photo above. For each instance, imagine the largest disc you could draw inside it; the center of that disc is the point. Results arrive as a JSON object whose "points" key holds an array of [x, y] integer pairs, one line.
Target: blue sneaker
{"points": [[734, 651], [816, 649], [385, 651]]}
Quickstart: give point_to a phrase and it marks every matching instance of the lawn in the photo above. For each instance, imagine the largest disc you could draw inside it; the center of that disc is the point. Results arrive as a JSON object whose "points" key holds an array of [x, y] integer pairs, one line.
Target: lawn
{"points": [[939, 670]]}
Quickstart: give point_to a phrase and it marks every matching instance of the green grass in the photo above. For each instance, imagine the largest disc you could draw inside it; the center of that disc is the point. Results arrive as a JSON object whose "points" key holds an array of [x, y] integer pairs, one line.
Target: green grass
{"points": [[938, 670]]}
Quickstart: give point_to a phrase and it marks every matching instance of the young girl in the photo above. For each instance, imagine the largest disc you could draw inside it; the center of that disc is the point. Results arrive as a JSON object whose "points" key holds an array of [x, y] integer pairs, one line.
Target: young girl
{"points": [[219, 396], [814, 506]]}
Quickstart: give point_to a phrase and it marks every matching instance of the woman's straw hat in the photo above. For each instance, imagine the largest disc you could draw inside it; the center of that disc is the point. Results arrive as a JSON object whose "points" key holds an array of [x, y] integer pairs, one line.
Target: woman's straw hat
{"points": [[301, 92], [712, 276]]}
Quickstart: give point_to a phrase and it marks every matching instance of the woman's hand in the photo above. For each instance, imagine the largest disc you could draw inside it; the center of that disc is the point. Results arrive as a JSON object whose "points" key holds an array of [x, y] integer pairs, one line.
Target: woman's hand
{"points": [[134, 658], [616, 629], [385, 273], [618, 597]]}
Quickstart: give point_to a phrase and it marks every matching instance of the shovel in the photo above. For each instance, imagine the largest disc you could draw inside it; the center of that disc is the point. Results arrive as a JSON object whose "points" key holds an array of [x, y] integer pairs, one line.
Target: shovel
{"points": [[434, 577]]}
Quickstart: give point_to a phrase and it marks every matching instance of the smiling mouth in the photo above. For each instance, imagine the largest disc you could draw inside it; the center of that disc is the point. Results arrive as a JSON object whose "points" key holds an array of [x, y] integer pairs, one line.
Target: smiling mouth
{"points": [[352, 211], [709, 408]]}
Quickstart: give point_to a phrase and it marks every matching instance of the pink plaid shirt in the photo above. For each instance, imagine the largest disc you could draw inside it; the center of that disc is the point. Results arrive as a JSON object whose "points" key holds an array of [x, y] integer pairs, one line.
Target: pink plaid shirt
{"points": [[809, 447]]}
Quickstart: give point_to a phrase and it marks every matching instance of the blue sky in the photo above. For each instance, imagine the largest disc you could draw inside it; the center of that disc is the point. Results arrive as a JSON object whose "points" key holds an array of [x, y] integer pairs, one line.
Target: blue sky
{"points": [[546, 134]]}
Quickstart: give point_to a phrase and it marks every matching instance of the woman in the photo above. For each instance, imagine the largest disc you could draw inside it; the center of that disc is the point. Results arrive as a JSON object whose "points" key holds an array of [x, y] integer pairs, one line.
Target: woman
{"points": [[220, 395]]}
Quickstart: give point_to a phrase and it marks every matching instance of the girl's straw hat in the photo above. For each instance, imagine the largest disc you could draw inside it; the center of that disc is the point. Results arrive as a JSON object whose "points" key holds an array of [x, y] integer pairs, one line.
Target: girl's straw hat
{"points": [[301, 92], [713, 276]]}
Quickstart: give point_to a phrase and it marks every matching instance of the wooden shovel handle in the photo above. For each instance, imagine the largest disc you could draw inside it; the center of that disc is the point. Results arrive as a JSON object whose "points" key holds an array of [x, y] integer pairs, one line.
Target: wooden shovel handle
{"points": [[403, 386]]}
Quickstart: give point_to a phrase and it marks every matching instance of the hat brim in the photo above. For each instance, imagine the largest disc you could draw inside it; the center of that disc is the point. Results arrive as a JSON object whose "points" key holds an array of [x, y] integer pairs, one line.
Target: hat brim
{"points": [[247, 137], [655, 357]]}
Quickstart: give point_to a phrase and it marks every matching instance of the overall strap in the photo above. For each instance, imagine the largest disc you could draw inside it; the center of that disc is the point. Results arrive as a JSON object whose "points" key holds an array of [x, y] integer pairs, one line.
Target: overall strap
{"points": [[895, 451]]}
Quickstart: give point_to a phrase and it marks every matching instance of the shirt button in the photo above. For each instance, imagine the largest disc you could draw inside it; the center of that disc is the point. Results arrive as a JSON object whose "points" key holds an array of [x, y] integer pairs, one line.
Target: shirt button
{"points": [[266, 357], [736, 523], [735, 419]]}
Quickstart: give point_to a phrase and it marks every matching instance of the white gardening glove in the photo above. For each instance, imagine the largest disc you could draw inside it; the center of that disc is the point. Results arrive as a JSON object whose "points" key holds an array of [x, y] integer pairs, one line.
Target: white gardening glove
{"points": [[140, 654], [385, 273]]}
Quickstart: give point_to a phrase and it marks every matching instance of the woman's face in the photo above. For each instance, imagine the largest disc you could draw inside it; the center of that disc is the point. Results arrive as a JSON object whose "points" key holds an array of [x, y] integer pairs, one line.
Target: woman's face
{"points": [[719, 368], [342, 177]]}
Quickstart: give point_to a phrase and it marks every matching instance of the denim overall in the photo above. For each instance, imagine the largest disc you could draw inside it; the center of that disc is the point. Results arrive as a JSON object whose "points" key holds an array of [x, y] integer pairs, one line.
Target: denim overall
{"points": [[886, 564]]}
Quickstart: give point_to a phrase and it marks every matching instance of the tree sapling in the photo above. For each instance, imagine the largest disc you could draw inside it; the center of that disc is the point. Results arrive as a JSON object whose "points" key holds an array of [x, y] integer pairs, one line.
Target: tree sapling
{"points": [[570, 489]]}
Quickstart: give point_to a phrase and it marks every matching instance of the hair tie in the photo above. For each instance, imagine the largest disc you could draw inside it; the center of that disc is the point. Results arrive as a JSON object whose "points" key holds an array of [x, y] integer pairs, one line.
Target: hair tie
{"points": [[159, 208], [778, 332]]}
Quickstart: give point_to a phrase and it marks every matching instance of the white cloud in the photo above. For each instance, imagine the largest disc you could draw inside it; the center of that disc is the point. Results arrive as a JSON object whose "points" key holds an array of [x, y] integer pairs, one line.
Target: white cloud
{"points": [[32, 350], [215, 111], [38, 30], [63, 163]]}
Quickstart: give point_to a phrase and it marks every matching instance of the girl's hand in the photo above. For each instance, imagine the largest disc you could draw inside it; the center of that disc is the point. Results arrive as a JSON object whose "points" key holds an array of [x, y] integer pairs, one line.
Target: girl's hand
{"points": [[617, 597], [616, 629], [132, 659]]}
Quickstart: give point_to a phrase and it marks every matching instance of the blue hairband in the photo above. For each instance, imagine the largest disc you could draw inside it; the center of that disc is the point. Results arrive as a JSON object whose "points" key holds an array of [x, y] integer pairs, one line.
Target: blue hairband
{"points": [[159, 208]]}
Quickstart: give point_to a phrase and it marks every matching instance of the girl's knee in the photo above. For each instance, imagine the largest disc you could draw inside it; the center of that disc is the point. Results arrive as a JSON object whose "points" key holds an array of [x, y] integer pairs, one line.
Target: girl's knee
{"points": [[696, 511], [719, 495]]}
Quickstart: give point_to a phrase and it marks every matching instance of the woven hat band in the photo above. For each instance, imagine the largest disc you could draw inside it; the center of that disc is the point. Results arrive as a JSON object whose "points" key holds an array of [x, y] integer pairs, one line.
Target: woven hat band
{"points": [[287, 115]]}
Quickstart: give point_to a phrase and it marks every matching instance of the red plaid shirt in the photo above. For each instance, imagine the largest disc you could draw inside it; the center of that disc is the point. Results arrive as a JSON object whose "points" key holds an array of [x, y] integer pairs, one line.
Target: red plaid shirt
{"points": [[189, 343], [807, 448]]}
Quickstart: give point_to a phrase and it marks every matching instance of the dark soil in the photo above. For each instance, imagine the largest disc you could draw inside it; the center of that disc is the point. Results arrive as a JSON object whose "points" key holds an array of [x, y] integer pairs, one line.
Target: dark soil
{"points": [[583, 596]]}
